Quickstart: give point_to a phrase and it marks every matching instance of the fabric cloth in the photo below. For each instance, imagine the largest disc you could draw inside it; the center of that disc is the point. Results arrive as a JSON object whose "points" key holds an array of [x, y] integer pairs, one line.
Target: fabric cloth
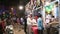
{"points": [[40, 23]]}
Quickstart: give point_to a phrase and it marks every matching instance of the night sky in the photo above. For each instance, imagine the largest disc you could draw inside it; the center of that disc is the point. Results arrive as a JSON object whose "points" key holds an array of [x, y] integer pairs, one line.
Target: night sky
{"points": [[9, 3]]}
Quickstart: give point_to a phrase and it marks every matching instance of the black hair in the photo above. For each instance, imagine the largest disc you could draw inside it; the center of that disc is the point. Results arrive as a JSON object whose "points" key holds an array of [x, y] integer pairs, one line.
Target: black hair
{"points": [[52, 16], [39, 15]]}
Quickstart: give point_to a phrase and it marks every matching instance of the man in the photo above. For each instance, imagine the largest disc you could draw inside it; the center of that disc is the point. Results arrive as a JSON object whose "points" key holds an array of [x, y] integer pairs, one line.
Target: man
{"points": [[40, 24], [48, 20], [25, 25], [29, 23]]}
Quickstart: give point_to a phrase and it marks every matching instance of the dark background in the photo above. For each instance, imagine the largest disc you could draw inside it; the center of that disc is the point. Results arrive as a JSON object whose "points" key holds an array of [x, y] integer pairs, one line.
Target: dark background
{"points": [[8, 4]]}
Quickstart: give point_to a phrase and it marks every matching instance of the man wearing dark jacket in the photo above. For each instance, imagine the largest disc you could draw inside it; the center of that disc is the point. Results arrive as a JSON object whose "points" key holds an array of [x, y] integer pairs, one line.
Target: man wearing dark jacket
{"points": [[25, 25]]}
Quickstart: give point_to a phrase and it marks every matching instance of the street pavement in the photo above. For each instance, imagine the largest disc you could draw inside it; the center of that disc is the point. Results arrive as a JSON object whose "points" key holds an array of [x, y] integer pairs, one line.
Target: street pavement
{"points": [[16, 30]]}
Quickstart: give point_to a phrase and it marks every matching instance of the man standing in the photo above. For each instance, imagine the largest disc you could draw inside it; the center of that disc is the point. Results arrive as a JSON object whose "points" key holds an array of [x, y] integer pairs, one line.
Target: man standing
{"points": [[40, 24], [25, 24], [29, 23]]}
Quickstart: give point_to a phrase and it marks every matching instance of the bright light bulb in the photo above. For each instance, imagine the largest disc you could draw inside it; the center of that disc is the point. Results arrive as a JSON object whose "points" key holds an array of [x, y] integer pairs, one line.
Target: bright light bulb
{"points": [[20, 7], [47, 3]]}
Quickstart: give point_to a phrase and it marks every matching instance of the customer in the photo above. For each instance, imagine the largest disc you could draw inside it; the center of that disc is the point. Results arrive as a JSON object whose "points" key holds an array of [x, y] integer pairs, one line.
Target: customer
{"points": [[40, 24], [29, 23], [14, 21]]}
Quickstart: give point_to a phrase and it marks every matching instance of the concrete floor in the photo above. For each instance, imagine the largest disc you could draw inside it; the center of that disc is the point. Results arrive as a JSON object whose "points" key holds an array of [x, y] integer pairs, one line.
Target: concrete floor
{"points": [[16, 30]]}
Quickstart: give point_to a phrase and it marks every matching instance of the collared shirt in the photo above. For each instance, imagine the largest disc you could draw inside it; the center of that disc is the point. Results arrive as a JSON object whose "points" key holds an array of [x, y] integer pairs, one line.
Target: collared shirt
{"points": [[29, 21], [40, 23]]}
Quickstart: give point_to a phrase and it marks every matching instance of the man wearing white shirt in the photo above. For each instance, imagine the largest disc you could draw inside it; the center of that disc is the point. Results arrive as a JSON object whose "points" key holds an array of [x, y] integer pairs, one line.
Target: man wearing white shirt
{"points": [[29, 23]]}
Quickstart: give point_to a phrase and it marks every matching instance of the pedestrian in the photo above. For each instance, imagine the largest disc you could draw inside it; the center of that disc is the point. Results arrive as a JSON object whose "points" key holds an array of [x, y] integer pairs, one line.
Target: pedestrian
{"points": [[40, 24], [29, 23], [22, 20], [19, 25], [1, 27], [25, 24], [14, 21], [48, 20]]}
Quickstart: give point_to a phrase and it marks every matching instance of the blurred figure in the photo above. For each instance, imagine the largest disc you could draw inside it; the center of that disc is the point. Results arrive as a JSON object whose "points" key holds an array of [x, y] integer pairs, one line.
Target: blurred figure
{"points": [[48, 20], [34, 22], [52, 19], [25, 24], [36, 17], [1, 27], [14, 20], [19, 25], [3, 24], [29, 23], [22, 20], [40, 24], [4, 15], [8, 21]]}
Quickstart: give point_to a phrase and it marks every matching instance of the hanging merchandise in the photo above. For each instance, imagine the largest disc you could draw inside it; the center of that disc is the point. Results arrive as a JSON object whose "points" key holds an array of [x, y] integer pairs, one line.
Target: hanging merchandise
{"points": [[31, 2], [49, 8], [34, 2], [56, 12], [38, 3]]}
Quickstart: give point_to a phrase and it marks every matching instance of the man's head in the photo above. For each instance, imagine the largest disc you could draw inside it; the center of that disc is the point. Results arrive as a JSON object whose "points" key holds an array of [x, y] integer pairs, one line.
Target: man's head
{"points": [[40, 15], [29, 16]]}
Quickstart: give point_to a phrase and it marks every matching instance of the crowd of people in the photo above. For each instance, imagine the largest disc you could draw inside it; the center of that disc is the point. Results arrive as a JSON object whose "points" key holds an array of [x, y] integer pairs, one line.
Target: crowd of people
{"points": [[38, 21], [6, 19], [28, 22]]}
